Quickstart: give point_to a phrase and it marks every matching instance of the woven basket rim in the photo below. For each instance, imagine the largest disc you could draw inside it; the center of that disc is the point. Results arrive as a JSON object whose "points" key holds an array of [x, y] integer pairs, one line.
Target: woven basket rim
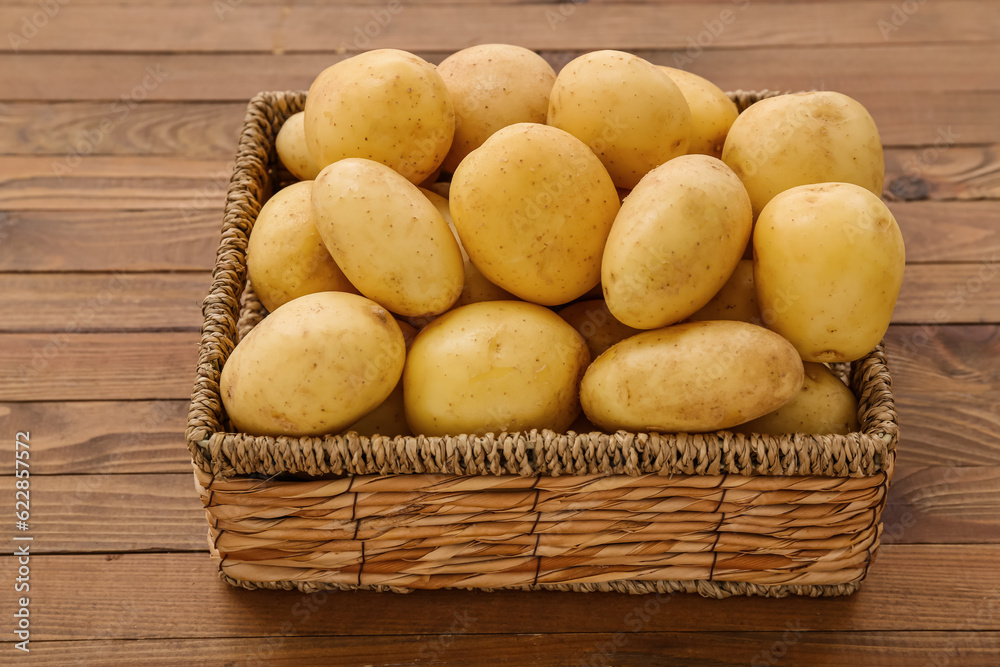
{"points": [[225, 453]]}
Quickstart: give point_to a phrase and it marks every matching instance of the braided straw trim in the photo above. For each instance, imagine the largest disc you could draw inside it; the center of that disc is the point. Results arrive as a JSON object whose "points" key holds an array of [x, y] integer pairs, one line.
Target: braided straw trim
{"points": [[718, 514]]}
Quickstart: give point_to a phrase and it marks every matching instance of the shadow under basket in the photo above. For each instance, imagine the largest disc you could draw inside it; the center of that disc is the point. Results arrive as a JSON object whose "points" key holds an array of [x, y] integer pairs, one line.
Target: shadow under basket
{"points": [[716, 514]]}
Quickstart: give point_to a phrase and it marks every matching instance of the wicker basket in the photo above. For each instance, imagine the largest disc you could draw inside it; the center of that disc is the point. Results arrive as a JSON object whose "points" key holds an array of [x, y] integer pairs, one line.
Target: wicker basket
{"points": [[716, 513]]}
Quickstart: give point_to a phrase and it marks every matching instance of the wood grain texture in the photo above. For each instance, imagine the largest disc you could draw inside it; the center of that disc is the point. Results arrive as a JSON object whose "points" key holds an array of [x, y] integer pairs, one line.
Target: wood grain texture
{"points": [[233, 77], [163, 595], [88, 302], [113, 512], [108, 182], [99, 437], [80, 302], [165, 240], [793, 646], [108, 240], [211, 129], [94, 366], [417, 27], [162, 512]]}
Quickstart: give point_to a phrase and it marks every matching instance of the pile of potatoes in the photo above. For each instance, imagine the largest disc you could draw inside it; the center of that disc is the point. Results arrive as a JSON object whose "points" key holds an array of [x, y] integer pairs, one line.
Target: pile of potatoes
{"points": [[486, 246]]}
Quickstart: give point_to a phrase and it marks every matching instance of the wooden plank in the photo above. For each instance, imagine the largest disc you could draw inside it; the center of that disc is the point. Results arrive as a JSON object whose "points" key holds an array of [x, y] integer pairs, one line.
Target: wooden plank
{"points": [[942, 172], [104, 182], [943, 505], [188, 129], [163, 240], [794, 645], [416, 27], [85, 302], [178, 596], [116, 182], [78, 302], [203, 77], [99, 437], [108, 240], [88, 366], [162, 512], [113, 512], [211, 129]]}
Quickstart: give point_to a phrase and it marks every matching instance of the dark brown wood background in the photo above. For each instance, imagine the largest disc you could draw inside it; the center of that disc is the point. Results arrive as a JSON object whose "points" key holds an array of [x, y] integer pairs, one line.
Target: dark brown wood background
{"points": [[118, 124]]}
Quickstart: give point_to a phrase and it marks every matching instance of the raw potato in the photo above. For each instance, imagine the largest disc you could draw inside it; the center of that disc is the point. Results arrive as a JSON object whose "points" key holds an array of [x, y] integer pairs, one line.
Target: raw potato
{"points": [[533, 207], [627, 110], [825, 405], [286, 257], [697, 376], [737, 300], [477, 288], [493, 86], [292, 150], [676, 241], [712, 112], [803, 138], [493, 367], [389, 418], [389, 239], [384, 105], [313, 366], [828, 266], [596, 324]]}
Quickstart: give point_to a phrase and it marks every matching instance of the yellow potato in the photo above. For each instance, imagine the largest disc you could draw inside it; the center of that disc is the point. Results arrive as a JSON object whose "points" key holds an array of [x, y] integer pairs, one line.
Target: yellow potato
{"points": [[286, 257], [477, 288], [389, 418], [828, 266], [712, 112], [493, 86], [737, 300], [292, 150], [313, 366], [697, 376], [803, 138], [630, 113], [825, 405], [533, 206], [596, 324], [384, 105], [676, 241], [492, 367], [388, 238]]}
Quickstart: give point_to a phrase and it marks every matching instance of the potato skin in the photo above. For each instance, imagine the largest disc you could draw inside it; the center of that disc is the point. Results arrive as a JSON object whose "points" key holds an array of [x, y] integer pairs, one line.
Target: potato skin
{"points": [[676, 241], [712, 112], [286, 257], [692, 377], [493, 86], [389, 417], [491, 367], [313, 366], [384, 105], [292, 149], [388, 238], [804, 138], [828, 267], [533, 206], [737, 300], [596, 324], [630, 113], [824, 406]]}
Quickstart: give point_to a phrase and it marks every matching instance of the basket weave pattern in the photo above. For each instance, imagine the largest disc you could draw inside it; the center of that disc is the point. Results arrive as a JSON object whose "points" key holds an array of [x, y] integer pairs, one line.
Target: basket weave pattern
{"points": [[713, 513]]}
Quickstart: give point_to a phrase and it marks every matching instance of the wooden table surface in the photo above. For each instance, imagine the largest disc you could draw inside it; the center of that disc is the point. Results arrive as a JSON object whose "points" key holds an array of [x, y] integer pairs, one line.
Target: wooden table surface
{"points": [[118, 125]]}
